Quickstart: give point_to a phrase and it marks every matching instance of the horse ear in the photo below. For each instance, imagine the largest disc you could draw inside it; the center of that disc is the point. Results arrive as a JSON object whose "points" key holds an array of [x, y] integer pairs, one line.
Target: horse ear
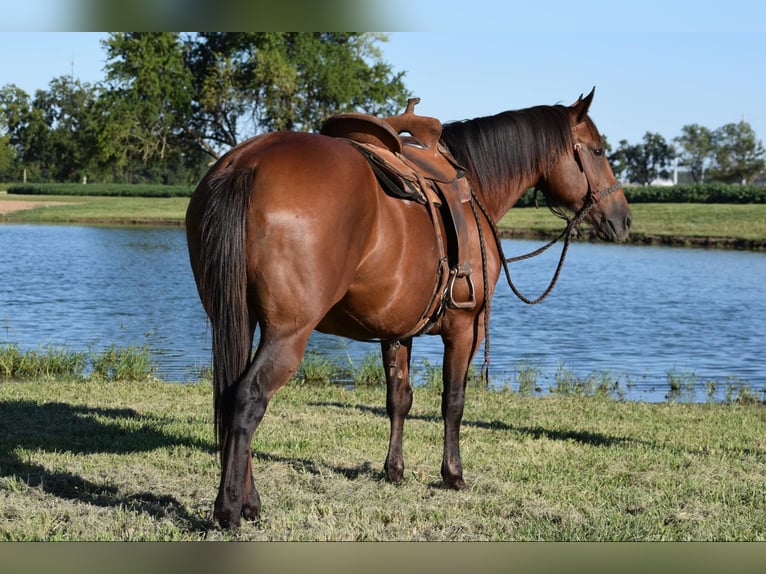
{"points": [[581, 106]]}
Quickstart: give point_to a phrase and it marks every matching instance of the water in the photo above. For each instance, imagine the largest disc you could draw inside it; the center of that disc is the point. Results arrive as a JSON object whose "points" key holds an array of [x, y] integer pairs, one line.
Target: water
{"points": [[641, 316]]}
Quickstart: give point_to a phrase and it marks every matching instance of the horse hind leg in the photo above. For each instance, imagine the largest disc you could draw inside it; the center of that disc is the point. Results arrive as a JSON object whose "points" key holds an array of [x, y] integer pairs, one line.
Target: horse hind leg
{"points": [[276, 359], [396, 363]]}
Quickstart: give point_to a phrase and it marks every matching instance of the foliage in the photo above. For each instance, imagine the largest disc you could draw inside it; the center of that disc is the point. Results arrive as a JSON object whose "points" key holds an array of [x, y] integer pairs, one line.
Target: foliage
{"points": [[645, 162], [60, 363], [121, 364], [739, 156], [697, 193], [170, 101], [7, 158], [146, 99], [729, 154], [102, 189], [696, 148], [246, 83], [44, 363]]}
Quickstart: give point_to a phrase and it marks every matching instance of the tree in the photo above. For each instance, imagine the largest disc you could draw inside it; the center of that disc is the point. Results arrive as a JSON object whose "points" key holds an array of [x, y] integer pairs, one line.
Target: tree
{"points": [[69, 143], [697, 148], [738, 155], [643, 163], [248, 83], [7, 158], [146, 100], [25, 128]]}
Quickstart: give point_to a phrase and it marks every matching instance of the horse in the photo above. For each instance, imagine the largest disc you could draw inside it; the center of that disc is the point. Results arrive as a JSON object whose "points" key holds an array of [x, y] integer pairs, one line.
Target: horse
{"points": [[291, 232]]}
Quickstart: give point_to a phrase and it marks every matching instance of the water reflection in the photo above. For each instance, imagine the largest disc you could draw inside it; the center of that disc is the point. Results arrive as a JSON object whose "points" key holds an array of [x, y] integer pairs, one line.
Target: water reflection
{"points": [[642, 316]]}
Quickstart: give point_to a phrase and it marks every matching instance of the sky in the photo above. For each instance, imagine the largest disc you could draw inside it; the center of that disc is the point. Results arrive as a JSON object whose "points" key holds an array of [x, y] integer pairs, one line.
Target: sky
{"points": [[684, 63]]}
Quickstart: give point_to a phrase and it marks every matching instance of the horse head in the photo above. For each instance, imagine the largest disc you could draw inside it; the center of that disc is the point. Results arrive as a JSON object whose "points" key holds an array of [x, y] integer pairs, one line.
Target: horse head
{"points": [[581, 179]]}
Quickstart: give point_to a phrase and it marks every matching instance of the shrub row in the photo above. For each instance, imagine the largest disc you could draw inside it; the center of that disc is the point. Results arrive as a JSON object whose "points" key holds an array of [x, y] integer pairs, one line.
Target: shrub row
{"points": [[697, 193], [102, 189], [683, 193]]}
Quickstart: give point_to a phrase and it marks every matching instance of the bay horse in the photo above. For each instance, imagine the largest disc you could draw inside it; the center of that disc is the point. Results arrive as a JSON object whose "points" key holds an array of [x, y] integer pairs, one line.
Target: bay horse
{"points": [[292, 232]]}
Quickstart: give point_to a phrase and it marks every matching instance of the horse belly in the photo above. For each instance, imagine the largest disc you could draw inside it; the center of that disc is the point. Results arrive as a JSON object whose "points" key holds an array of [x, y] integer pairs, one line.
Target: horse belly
{"points": [[394, 284]]}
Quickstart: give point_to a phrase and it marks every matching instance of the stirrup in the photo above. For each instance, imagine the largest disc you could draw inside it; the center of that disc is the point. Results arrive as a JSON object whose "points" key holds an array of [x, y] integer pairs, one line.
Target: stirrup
{"points": [[459, 272]]}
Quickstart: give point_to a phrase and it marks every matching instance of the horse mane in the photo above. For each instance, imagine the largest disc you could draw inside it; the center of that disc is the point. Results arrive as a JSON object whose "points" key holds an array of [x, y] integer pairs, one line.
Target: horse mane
{"points": [[509, 146]]}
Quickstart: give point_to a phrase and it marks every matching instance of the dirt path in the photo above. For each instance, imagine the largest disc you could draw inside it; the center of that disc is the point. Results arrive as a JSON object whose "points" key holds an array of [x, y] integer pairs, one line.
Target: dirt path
{"points": [[11, 205]]}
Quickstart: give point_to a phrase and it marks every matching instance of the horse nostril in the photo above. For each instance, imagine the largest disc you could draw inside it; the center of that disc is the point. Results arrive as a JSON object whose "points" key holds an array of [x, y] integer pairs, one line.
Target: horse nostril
{"points": [[628, 221]]}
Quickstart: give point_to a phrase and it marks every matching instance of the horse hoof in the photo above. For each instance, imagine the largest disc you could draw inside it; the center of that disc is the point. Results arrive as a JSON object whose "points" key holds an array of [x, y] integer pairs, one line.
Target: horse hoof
{"points": [[227, 516], [226, 520], [394, 473], [251, 510], [455, 483]]}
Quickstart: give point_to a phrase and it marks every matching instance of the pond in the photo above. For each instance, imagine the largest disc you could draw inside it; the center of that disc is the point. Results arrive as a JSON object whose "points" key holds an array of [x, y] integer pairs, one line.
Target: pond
{"points": [[651, 319]]}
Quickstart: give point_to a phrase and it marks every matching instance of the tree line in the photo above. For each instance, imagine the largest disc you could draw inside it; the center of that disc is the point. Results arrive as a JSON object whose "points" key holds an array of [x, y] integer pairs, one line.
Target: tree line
{"points": [[728, 154], [170, 103]]}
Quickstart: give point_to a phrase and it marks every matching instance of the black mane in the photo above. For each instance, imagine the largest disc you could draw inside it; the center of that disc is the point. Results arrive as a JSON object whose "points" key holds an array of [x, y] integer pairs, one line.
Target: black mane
{"points": [[509, 146]]}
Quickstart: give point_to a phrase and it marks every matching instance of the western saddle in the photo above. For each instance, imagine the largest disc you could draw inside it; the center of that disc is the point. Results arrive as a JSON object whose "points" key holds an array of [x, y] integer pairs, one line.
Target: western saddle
{"points": [[411, 163]]}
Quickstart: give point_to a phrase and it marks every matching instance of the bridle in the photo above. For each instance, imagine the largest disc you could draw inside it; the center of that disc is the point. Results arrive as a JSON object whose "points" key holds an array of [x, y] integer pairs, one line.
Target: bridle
{"points": [[585, 161], [594, 195]]}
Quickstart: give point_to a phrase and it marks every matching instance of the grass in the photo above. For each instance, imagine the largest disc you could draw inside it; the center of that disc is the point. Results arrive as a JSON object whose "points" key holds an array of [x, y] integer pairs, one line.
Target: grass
{"points": [[53, 363], [99, 209], [106, 460], [679, 220]]}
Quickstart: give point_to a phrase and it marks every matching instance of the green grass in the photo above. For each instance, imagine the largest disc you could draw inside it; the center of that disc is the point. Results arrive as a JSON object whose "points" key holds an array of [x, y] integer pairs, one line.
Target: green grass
{"points": [[54, 363], [663, 219], [97, 209], [136, 461]]}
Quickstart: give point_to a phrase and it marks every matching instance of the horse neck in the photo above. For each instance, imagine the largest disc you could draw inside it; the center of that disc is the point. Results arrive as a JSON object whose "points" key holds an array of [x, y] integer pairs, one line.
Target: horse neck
{"points": [[499, 200], [508, 153]]}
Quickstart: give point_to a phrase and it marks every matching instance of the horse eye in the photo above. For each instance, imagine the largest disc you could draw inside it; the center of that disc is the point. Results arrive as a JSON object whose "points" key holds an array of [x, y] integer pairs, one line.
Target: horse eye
{"points": [[598, 152]]}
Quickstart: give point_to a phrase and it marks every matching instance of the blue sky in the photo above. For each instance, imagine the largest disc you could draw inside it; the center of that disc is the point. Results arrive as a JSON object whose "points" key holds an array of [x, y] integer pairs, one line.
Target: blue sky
{"points": [[655, 71]]}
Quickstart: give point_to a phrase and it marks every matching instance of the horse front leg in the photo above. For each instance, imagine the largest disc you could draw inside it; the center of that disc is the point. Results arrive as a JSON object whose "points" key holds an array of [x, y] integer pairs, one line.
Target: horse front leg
{"points": [[458, 353], [396, 363]]}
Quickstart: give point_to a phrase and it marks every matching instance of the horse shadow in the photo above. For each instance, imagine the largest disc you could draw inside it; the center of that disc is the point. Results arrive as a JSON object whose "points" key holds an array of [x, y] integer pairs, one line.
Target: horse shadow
{"points": [[65, 428], [537, 432]]}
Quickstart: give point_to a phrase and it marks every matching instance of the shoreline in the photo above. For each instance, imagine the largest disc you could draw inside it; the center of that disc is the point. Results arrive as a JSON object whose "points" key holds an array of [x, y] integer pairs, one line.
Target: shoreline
{"points": [[635, 238], [651, 239], [10, 207]]}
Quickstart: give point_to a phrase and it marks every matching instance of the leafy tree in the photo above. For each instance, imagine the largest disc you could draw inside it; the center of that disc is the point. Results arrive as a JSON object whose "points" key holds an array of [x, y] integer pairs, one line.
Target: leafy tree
{"points": [[69, 143], [7, 158], [697, 148], [739, 156], [247, 83], [25, 128], [146, 100], [170, 101], [643, 163]]}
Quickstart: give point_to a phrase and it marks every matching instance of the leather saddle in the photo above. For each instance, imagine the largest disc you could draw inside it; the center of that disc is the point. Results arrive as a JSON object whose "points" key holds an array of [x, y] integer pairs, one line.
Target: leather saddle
{"points": [[410, 162]]}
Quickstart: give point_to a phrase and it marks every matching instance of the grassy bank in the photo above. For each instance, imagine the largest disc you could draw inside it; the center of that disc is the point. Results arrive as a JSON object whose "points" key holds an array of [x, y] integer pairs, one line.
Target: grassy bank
{"points": [[683, 224], [104, 460], [98, 210], [715, 225]]}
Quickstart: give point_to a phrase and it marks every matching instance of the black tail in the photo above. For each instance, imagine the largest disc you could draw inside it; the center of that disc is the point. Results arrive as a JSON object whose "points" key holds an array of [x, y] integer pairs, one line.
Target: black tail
{"points": [[222, 283]]}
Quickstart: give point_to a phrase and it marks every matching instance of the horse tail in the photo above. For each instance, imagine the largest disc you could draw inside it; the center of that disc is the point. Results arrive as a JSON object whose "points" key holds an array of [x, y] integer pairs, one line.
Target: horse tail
{"points": [[222, 284]]}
